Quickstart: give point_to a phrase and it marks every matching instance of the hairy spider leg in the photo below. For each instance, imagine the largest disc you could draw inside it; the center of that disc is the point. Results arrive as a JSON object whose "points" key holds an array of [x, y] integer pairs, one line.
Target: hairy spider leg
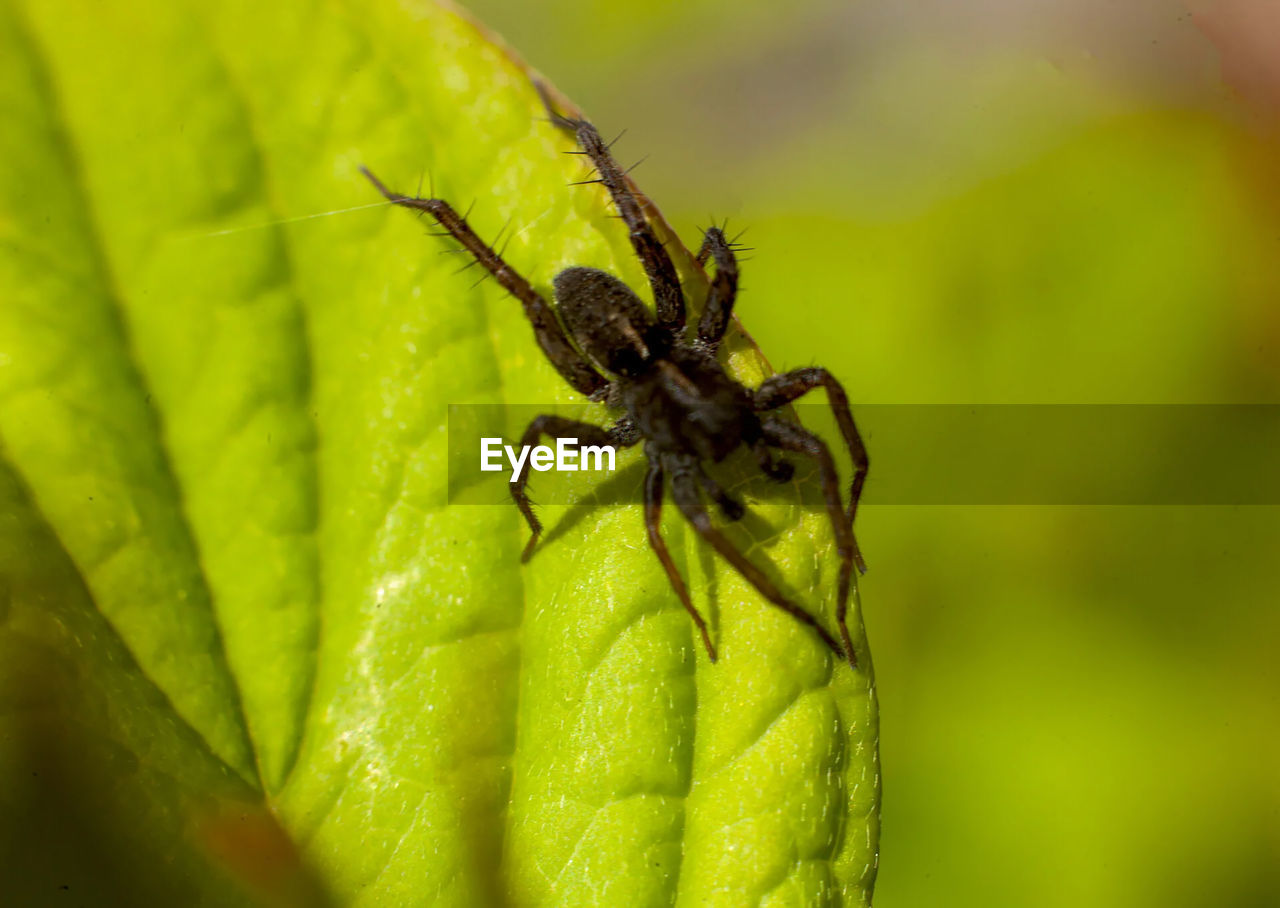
{"points": [[723, 290], [684, 489], [778, 390], [667, 295], [653, 523], [623, 434], [546, 328], [790, 437]]}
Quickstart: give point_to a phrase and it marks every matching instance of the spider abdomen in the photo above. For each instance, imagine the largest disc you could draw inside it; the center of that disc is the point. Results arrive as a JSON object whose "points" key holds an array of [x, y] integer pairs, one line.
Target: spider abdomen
{"points": [[607, 321]]}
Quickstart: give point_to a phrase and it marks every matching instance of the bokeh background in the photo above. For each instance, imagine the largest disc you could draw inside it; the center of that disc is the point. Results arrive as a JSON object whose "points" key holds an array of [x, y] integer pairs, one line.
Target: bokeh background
{"points": [[1003, 201]]}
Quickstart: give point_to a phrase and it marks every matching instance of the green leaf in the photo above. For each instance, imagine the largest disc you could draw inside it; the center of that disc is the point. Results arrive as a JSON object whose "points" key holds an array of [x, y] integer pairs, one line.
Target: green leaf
{"points": [[250, 648]]}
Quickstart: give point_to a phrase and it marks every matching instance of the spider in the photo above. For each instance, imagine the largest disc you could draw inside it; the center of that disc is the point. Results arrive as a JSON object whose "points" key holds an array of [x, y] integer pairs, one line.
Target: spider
{"points": [[674, 394]]}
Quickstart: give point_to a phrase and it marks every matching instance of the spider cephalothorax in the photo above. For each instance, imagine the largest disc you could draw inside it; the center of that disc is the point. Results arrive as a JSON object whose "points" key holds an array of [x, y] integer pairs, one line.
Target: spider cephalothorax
{"points": [[674, 394]]}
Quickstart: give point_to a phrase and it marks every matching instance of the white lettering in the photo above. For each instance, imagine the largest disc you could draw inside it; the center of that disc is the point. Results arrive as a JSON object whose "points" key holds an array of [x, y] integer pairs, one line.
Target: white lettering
{"points": [[566, 456], [490, 447], [517, 463], [600, 453], [543, 458]]}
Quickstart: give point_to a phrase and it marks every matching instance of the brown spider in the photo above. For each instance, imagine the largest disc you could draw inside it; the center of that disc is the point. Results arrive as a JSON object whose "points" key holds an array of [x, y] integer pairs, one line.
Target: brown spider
{"points": [[675, 395]]}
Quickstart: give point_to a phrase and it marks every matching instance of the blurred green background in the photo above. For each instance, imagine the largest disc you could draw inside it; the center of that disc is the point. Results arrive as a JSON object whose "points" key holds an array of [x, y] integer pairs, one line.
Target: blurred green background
{"points": [[996, 202]]}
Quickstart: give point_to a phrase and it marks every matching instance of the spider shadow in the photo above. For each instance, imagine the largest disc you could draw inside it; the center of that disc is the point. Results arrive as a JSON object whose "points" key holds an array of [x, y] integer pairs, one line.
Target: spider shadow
{"points": [[746, 533], [752, 534], [624, 487]]}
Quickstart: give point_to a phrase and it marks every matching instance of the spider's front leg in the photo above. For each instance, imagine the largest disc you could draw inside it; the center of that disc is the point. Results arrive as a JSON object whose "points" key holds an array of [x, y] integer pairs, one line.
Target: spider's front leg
{"points": [[667, 295], [779, 390], [723, 290], [546, 328], [623, 434]]}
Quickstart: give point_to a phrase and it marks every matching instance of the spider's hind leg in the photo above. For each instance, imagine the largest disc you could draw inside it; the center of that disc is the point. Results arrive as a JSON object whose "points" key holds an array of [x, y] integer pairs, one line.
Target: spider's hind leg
{"points": [[778, 390], [684, 489], [790, 437], [653, 523]]}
